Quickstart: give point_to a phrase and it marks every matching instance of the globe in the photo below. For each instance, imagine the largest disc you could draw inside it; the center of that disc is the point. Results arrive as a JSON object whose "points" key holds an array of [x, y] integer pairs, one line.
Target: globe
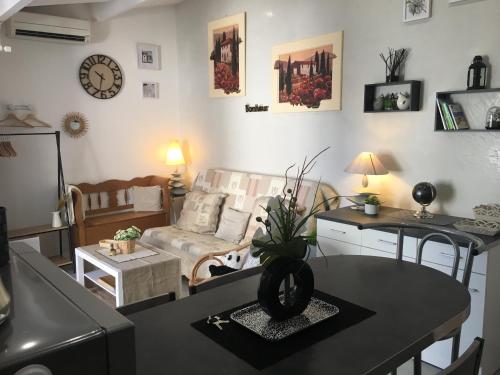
{"points": [[424, 193]]}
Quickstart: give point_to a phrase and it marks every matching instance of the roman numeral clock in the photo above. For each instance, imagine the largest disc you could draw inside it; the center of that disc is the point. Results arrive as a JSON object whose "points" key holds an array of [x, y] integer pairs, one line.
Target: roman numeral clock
{"points": [[101, 76]]}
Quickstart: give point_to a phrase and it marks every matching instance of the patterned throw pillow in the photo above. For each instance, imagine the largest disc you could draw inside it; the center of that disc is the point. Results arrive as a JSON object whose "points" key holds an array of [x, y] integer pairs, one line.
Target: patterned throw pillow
{"points": [[233, 225], [200, 213], [257, 211]]}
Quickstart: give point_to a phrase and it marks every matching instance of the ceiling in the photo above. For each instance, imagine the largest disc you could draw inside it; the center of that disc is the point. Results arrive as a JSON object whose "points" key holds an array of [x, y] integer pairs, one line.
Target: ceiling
{"points": [[99, 9]]}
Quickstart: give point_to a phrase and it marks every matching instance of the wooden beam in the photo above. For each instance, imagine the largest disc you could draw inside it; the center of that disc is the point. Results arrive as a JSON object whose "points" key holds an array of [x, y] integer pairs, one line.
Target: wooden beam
{"points": [[105, 11], [10, 7]]}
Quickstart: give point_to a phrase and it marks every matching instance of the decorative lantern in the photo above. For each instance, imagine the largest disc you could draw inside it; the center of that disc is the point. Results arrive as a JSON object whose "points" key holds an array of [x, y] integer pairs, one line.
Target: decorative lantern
{"points": [[476, 77]]}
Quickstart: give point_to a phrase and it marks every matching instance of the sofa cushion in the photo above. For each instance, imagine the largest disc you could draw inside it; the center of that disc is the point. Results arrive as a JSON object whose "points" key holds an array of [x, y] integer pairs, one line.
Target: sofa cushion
{"points": [[233, 225], [189, 246], [147, 198], [92, 221], [258, 211], [200, 212]]}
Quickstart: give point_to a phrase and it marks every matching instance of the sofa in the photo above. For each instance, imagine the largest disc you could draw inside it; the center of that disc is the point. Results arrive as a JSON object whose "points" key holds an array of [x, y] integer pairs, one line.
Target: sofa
{"points": [[101, 209], [244, 191]]}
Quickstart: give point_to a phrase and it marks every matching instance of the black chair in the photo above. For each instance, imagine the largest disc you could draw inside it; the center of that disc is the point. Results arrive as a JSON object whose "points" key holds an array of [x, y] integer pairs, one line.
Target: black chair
{"points": [[223, 280], [146, 304], [469, 362], [450, 235]]}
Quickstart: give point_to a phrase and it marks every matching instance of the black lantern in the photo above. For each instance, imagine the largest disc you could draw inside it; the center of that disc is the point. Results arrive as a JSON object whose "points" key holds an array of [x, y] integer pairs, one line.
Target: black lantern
{"points": [[476, 77]]}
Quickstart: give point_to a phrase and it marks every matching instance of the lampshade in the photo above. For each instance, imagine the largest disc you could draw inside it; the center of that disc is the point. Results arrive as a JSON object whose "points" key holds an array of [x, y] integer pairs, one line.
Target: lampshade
{"points": [[366, 163], [174, 154]]}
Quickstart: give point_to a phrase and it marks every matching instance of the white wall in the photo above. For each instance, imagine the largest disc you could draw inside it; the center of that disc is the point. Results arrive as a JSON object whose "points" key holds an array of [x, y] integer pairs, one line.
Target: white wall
{"points": [[222, 134], [128, 134]]}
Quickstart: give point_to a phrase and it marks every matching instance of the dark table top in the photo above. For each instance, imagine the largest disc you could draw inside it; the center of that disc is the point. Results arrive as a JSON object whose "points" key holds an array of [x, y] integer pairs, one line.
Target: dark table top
{"points": [[415, 305], [346, 215]]}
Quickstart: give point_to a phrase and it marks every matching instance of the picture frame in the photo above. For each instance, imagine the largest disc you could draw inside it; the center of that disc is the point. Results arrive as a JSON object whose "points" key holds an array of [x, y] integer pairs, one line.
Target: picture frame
{"points": [[226, 56], [148, 56], [315, 79], [150, 90], [416, 10]]}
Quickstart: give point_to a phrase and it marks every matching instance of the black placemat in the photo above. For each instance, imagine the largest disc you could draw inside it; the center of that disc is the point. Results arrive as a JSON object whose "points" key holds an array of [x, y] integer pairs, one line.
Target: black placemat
{"points": [[261, 353]]}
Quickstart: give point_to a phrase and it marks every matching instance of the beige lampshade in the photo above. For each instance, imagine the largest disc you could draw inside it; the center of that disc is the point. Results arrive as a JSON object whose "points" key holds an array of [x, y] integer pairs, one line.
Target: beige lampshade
{"points": [[366, 163], [174, 154]]}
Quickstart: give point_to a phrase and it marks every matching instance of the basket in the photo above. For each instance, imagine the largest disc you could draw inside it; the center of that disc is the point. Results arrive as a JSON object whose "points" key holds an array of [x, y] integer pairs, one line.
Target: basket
{"points": [[126, 247], [488, 228]]}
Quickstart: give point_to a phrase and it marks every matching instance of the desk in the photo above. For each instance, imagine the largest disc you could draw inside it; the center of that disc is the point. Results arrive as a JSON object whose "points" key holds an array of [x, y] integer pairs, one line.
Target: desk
{"points": [[415, 306]]}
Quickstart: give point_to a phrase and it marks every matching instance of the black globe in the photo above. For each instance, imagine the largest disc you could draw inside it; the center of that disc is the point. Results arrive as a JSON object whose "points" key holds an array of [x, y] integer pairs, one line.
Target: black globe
{"points": [[424, 193]]}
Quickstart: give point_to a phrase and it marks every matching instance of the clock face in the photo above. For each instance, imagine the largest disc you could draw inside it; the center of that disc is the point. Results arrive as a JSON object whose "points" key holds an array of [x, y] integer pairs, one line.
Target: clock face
{"points": [[101, 76]]}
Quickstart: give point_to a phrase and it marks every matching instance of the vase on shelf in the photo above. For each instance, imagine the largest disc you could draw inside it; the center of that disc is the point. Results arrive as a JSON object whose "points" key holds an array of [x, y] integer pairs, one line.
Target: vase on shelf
{"points": [[298, 280], [56, 219]]}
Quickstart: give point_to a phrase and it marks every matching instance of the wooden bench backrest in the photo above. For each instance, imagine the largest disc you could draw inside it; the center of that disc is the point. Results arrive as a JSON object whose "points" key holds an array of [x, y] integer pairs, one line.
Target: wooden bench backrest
{"points": [[111, 187]]}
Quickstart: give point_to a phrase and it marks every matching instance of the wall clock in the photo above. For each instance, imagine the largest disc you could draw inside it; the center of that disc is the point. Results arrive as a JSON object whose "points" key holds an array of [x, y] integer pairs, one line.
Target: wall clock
{"points": [[101, 76]]}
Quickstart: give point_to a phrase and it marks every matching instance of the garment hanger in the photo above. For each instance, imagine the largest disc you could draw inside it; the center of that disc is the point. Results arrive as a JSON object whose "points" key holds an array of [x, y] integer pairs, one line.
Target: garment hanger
{"points": [[6, 149], [30, 119], [12, 121]]}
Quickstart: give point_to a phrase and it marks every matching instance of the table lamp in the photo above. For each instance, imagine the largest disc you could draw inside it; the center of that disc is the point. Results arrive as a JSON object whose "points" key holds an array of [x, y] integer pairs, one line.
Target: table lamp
{"points": [[175, 158], [367, 164]]}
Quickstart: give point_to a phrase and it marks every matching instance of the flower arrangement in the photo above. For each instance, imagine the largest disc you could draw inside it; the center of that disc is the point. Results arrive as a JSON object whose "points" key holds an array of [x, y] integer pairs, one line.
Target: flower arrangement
{"points": [[62, 201], [132, 233], [285, 223]]}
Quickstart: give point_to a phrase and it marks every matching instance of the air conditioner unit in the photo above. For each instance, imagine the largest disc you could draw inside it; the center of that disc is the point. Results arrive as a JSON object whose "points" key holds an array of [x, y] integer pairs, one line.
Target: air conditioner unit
{"points": [[48, 28]]}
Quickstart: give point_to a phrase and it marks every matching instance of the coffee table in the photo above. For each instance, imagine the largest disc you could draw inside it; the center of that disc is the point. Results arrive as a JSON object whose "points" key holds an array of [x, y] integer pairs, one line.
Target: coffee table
{"points": [[133, 280]]}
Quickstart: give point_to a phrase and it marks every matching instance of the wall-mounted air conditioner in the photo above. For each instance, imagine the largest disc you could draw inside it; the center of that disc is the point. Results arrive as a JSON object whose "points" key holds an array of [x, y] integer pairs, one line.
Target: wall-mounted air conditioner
{"points": [[48, 28]]}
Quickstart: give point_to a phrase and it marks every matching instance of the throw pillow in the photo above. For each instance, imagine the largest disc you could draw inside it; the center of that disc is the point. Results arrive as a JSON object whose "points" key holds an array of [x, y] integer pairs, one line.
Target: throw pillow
{"points": [[257, 211], [233, 225], [200, 212], [147, 198]]}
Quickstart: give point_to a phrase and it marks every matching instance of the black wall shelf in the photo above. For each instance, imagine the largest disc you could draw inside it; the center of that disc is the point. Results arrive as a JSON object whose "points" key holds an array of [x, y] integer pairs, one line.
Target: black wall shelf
{"points": [[414, 91], [447, 96]]}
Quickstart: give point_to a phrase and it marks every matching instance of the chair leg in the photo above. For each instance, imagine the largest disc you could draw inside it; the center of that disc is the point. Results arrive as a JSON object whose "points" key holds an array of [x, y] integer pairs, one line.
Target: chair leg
{"points": [[417, 364], [455, 347]]}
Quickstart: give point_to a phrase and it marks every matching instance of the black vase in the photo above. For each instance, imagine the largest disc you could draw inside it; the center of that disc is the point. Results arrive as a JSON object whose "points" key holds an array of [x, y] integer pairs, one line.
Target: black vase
{"points": [[279, 305]]}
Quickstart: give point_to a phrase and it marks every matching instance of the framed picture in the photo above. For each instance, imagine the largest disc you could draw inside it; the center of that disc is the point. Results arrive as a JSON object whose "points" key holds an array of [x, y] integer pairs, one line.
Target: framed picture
{"points": [[226, 56], [307, 74], [150, 90], [414, 10], [148, 56]]}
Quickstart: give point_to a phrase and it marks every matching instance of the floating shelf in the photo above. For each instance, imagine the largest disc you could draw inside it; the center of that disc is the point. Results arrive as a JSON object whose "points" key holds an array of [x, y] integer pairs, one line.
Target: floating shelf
{"points": [[449, 97], [414, 90]]}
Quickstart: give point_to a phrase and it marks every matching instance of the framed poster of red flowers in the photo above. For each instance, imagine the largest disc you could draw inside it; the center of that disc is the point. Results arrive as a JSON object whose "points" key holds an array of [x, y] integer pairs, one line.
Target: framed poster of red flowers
{"points": [[226, 56], [307, 74]]}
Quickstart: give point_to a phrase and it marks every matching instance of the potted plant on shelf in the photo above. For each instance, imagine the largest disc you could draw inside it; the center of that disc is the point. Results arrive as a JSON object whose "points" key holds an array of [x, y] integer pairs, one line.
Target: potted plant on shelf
{"points": [[284, 248], [372, 205], [126, 238]]}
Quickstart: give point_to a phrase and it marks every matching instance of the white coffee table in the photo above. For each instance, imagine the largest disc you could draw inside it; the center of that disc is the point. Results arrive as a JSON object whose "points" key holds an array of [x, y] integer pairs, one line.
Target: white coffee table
{"points": [[157, 274]]}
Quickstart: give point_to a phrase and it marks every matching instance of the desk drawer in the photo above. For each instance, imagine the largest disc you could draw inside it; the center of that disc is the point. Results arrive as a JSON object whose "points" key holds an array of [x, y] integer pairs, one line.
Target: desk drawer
{"points": [[387, 242], [334, 247], [339, 231], [444, 254]]}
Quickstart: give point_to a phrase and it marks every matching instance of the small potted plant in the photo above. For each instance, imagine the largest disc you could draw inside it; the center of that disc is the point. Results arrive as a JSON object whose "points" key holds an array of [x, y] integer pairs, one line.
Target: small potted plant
{"points": [[126, 238], [56, 215], [372, 205]]}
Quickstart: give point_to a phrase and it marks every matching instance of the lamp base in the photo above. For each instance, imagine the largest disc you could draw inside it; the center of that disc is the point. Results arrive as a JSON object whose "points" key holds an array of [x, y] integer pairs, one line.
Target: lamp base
{"points": [[176, 185], [423, 213]]}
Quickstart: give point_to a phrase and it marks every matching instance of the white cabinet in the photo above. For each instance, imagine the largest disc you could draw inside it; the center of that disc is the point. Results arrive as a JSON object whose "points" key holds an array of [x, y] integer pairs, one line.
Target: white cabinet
{"points": [[339, 238]]}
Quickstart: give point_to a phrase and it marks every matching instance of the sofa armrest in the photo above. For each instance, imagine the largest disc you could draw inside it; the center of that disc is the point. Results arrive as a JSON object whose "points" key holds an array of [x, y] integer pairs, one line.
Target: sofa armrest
{"points": [[194, 279]]}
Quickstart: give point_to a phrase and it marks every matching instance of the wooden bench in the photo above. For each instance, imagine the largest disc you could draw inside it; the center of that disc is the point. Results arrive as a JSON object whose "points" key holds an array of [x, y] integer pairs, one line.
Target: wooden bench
{"points": [[103, 221]]}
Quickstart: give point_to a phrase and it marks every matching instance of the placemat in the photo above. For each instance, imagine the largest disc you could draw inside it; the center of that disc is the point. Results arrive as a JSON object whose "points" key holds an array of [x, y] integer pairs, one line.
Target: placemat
{"points": [[261, 353], [140, 252]]}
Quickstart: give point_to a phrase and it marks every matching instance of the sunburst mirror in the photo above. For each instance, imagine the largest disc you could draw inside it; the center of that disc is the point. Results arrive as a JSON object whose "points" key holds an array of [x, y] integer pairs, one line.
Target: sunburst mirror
{"points": [[75, 124]]}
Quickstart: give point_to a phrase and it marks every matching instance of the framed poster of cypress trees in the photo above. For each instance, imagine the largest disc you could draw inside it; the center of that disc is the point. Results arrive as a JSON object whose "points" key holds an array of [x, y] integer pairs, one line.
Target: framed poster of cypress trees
{"points": [[307, 74], [226, 53]]}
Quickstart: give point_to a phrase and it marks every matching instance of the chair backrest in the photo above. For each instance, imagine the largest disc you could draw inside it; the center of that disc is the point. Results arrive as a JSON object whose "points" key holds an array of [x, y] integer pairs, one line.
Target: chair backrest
{"points": [[469, 362], [115, 195], [146, 304], [475, 244], [223, 280]]}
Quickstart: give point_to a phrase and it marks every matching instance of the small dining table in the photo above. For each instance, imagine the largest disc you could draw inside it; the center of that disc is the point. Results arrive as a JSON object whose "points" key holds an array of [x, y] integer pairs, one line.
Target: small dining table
{"points": [[414, 306]]}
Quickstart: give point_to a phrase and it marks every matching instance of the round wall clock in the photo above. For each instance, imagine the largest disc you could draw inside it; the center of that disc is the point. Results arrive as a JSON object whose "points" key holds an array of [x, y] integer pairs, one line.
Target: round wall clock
{"points": [[101, 76]]}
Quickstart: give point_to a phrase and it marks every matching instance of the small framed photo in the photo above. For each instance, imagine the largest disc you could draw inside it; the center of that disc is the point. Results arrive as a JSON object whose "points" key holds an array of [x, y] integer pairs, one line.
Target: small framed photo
{"points": [[414, 10], [150, 90], [148, 56]]}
